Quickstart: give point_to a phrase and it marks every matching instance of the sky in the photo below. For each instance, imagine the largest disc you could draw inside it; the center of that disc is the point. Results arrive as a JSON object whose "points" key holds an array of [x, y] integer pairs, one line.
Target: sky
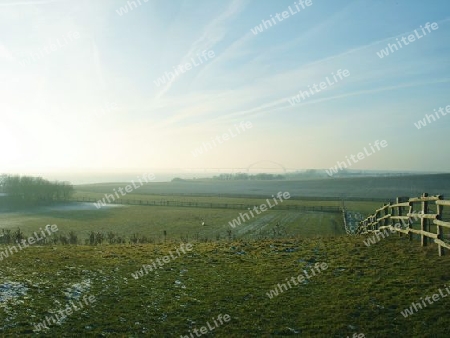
{"points": [[86, 86]]}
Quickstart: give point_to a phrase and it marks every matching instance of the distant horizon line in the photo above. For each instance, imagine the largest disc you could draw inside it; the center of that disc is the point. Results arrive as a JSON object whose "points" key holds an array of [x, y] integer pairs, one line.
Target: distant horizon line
{"points": [[210, 170], [83, 178]]}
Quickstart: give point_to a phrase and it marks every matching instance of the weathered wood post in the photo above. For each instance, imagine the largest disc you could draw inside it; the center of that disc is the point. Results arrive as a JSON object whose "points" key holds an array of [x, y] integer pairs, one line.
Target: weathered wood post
{"points": [[392, 213], [411, 209], [424, 226], [400, 211], [439, 230], [375, 221], [387, 211]]}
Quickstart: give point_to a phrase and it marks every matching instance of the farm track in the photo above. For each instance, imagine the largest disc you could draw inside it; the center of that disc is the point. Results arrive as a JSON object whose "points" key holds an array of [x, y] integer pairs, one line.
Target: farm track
{"points": [[252, 226]]}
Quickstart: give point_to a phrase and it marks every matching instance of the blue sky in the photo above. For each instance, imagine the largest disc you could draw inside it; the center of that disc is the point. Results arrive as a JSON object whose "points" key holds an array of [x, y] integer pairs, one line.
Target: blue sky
{"points": [[56, 110]]}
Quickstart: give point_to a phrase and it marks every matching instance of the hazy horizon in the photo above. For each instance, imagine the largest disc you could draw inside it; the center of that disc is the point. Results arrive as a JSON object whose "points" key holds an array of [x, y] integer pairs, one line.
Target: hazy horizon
{"points": [[80, 178]]}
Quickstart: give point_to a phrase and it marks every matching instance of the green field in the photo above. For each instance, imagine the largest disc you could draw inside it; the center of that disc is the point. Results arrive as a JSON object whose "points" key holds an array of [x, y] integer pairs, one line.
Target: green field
{"points": [[380, 188], [363, 290], [177, 222], [181, 222]]}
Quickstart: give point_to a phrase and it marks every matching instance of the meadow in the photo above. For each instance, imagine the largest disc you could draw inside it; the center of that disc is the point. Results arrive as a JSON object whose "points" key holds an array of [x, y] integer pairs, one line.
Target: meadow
{"points": [[230, 271], [356, 188], [180, 222], [363, 290]]}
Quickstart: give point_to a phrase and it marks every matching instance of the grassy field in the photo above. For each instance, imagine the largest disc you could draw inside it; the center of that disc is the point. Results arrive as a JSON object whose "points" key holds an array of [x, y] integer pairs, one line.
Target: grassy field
{"points": [[356, 187], [181, 222], [177, 222], [362, 206], [363, 290], [151, 192]]}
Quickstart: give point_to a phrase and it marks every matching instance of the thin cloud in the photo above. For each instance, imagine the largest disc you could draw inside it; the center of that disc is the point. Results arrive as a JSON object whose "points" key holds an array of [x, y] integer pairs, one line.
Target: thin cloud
{"points": [[262, 110], [213, 33], [98, 65], [5, 53]]}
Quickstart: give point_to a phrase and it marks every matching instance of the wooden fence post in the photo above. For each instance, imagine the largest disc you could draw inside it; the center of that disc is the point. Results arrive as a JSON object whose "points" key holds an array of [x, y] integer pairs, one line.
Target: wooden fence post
{"points": [[411, 209], [424, 226], [375, 222], [387, 211], [440, 233], [400, 211]]}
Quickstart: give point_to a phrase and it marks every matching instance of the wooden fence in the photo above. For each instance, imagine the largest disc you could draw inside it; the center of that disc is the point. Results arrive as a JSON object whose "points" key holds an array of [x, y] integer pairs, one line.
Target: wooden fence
{"points": [[256, 196], [430, 215], [193, 204]]}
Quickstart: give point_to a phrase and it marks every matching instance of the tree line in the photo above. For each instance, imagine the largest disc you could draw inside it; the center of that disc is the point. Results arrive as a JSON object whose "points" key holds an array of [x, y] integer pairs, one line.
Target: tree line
{"points": [[27, 190]]}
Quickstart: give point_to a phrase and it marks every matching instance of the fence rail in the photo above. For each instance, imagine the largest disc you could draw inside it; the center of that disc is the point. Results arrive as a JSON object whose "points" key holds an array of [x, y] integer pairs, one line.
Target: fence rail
{"points": [[256, 196], [212, 205], [430, 215]]}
